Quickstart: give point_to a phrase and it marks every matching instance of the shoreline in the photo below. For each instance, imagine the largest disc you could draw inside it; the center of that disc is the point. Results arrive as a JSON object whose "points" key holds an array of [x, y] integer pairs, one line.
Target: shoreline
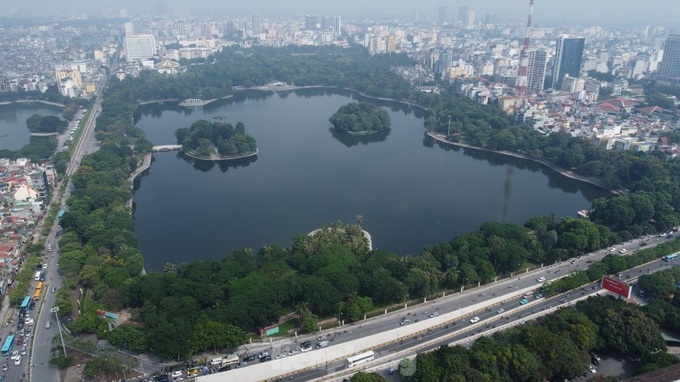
{"points": [[32, 101], [219, 158], [140, 103], [544, 162]]}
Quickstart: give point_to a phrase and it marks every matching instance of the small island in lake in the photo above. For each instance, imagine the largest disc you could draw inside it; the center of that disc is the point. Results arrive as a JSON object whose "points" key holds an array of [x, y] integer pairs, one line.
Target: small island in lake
{"points": [[216, 141], [360, 118]]}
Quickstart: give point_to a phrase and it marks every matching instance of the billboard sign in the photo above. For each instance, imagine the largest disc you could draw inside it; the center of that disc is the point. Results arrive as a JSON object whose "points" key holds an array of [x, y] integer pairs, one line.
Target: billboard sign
{"points": [[617, 287]]}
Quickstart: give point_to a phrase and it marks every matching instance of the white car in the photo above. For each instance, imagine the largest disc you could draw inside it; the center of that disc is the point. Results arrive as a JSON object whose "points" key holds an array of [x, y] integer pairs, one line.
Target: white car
{"points": [[48, 325], [434, 314], [540, 279], [176, 374], [474, 319], [17, 362], [15, 355], [623, 250], [501, 310], [592, 369], [612, 249], [321, 338]]}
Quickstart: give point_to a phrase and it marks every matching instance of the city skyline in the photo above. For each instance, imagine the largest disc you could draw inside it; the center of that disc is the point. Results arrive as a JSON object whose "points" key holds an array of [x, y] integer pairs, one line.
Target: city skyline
{"points": [[576, 11]]}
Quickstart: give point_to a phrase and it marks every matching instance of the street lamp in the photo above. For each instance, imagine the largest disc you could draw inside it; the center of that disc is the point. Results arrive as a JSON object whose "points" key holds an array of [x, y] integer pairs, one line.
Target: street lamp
{"points": [[55, 310]]}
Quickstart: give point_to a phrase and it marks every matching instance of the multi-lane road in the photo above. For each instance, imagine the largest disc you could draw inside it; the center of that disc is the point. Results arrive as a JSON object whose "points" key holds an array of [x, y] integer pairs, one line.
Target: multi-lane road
{"points": [[452, 323], [41, 349]]}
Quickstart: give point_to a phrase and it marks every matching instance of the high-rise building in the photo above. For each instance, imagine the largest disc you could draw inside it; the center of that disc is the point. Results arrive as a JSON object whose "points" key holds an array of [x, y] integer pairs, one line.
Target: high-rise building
{"points": [[536, 69], [337, 25], [568, 58], [469, 19], [140, 46], [669, 67], [311, 22], [443, 16], [391, 44], [256, 24], [129, 28]]}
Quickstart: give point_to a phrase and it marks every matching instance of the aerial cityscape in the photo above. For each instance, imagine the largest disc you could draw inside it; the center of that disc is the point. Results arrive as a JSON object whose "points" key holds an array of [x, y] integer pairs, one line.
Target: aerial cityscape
{"points": [[357, 191]]}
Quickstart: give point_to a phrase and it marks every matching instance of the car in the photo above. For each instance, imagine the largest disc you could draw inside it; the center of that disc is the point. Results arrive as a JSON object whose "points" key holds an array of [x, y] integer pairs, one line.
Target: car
{"points": [[391, 370], [623, 250], [595, 362], [17, 362], [643, 244], [250, 358], [592, 369], [595, 356], [612, 249], [23, 352], [523, 301], [176, 373], [522, 322], [538, 295], [321, 338], [434, 314], [669, 236], [474, 320], [53, 289], [540, 279], [48, 325], [268, 358], [45, 266], [241, 364], [404, 321], [30, 322], [4, 367], [15, 355], [501, 310]]}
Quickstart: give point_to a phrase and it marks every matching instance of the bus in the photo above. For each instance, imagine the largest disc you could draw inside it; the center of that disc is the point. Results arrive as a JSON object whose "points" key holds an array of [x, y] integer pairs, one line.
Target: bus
{"points": [[671, 257], [230, 361], [40, 285], [360, 358], [24, 304], [7, 346], [37, 294]]}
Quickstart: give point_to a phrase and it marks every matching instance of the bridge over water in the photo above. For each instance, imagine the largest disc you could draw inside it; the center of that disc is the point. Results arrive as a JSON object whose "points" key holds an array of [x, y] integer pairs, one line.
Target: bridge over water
{"points": [[193, 102], [166, 148]]}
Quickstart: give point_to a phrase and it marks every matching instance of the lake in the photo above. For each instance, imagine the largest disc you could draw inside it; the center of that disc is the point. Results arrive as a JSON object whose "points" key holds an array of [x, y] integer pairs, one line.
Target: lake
{"points": [[14, 133], [410, 190]]}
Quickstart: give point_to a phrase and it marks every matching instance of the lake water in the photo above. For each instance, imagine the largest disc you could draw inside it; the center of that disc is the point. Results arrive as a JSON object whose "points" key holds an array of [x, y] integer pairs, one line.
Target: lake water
{"points": [[14, 133], [411, 190]]}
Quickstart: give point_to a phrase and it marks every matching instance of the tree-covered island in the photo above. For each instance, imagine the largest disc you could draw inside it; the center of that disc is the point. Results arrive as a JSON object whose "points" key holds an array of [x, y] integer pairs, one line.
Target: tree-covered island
{"points": [[360, 118], [216, 140]]}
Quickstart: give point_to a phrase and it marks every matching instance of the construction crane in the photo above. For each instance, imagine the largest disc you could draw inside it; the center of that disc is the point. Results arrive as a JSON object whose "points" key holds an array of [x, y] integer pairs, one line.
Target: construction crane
{"points": [[523, 77]]}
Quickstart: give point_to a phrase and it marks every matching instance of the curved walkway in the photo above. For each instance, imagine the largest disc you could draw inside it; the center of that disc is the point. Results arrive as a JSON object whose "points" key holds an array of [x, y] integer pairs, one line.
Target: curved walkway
{"points": [[545, 162]]}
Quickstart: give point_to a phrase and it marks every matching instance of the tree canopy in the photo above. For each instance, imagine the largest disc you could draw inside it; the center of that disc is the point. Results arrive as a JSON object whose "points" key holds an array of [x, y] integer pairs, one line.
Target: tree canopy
{"points": [[360, 118], [215, 140]]}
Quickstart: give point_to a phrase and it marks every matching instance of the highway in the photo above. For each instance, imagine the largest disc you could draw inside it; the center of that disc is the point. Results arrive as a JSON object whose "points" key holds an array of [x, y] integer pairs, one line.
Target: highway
{"points": [[384, 334]]}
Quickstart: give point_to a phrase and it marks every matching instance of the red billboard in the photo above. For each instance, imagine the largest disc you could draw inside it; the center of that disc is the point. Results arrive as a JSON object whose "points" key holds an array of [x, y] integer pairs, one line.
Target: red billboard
{"points": [[616, 286]]}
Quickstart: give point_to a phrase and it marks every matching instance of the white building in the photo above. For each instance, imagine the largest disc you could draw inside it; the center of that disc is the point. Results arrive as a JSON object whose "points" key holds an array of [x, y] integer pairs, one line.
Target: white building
{"points": [[140, 46]]}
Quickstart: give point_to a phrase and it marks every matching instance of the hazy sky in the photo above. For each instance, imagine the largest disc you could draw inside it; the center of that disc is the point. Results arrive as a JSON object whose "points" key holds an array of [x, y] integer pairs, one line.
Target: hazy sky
{"points": [[653, 12]]}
